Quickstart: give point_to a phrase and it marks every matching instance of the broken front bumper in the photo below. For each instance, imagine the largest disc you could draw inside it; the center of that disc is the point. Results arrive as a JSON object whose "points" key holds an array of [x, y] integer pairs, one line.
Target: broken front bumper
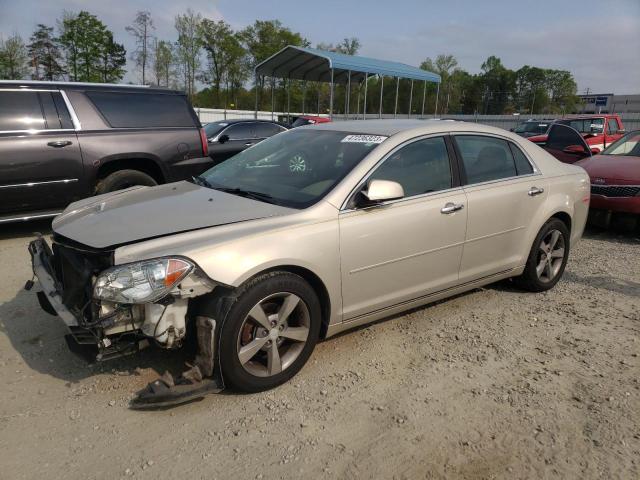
{"points": [[88, 341]]}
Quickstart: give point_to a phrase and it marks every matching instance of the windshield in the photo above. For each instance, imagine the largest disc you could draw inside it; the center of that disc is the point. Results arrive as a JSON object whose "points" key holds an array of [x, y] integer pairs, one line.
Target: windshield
{"points": [[294, 169], [586, 125], [212, 129], [532, 127], [627, 145]]}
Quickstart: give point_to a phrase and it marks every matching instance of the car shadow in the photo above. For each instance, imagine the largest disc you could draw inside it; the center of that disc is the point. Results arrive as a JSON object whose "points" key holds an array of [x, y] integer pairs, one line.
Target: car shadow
{"points": [[25, 229]]}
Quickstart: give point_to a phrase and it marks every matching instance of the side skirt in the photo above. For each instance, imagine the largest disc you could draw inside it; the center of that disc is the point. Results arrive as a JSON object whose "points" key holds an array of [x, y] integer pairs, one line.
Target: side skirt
{"points": [[336, 328]]}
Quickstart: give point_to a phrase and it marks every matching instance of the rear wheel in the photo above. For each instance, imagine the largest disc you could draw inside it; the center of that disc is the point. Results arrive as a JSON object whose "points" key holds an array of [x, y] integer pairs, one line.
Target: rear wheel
{"points": [[269, 332], [547, 259], [124, 179]]}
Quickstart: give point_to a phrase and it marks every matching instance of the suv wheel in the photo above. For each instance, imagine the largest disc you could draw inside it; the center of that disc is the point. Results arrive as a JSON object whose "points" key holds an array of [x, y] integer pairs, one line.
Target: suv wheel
{"points": [[124, 179], [269, 331]]}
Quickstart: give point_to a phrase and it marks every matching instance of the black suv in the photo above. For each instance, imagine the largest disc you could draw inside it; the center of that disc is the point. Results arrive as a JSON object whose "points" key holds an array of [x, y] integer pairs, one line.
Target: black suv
{"points": [[60, 142]]}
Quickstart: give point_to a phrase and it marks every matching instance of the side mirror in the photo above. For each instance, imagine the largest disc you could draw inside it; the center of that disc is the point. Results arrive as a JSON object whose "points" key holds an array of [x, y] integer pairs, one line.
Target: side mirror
{"points": [[223, 138], [595, 151], [383, 190], [511, 129], [574, 150]]}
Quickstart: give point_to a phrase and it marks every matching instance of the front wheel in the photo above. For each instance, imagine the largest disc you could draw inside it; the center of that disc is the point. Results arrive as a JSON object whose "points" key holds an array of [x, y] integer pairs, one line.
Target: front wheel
{"points": [[547, 259], [269, 332]]}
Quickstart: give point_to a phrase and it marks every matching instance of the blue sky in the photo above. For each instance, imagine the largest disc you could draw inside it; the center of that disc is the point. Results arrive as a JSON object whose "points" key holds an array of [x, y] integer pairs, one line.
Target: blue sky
{"points": [[597, 40]]}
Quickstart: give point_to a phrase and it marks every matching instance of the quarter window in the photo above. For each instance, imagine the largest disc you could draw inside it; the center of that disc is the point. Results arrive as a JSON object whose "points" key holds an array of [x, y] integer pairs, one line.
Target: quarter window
{"points": [[143, 110], [485, 158], [523, 167], [20, 111], [420, 167]]}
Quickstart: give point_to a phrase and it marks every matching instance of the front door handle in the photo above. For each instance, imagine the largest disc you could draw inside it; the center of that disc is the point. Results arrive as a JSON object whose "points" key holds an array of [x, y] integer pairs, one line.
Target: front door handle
{"points": [[533, 191], [451, 208], [59, 143], [248, 144]]}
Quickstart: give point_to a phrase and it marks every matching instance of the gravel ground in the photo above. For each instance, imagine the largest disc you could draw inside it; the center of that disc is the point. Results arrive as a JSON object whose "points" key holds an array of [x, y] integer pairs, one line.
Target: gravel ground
{"points": [[495, 383]]}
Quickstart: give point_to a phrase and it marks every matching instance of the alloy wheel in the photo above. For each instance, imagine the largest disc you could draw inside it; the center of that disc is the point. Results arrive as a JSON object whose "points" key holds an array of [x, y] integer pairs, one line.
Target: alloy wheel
{"points": [[550, 256], [273, 334]]}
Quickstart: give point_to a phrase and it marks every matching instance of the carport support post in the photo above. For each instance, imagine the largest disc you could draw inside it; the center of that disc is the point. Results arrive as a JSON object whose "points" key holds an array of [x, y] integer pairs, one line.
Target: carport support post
{"points": [[304, 94], [381, 90], [331, 98], [273, 85], [410, 99], [255, 113], [395, 109], [364, 105], [289, 100], [435, 112], [348, 94], [424, 97]]}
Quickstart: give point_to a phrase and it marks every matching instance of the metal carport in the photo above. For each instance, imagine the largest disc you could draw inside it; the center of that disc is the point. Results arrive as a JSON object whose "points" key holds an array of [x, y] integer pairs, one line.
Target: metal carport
{"points": [[309, 64]]}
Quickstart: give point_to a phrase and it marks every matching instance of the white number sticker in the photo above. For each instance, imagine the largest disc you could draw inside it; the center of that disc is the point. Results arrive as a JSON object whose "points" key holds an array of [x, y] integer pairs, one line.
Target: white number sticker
{"points": [[364, 139]]}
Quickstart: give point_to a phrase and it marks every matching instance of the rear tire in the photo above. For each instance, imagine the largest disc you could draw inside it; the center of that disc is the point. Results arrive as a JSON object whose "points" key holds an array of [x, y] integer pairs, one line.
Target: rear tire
{"points": [[547, 258], [256, 322], [124, 179]]}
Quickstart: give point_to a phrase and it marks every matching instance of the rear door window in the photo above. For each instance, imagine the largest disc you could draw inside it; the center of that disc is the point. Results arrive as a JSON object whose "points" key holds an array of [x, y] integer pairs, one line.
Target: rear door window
{"points": [[20, 111], [612, 126], [485, 158], [143, 110]]}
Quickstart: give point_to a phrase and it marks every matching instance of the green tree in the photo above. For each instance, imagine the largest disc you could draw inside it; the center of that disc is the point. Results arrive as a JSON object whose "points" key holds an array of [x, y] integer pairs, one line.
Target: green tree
{"points": [[188, 47], [45, 54], [142, 30], [445, 66], [13, 58], [92, 54], [163, 62], [499, 86], [217, 40]]}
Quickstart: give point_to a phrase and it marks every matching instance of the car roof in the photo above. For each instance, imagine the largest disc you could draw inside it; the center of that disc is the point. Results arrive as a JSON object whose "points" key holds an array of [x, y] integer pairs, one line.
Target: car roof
{"points": [[394, 126], [37, 84], [240, 120]]}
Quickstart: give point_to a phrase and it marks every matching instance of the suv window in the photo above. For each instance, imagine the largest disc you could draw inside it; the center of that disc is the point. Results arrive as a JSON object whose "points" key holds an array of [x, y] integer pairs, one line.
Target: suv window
{"points": [[141, 110], [240, 131], [264, 129], [420, 167], [612, 126], [20, 111], [485, 158], [55, 111]]}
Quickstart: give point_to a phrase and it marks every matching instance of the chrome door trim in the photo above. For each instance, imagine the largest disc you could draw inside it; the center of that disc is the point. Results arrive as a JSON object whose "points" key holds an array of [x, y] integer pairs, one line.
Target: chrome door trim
{"points": [[34, 184], [26, 218], [38, 130]]}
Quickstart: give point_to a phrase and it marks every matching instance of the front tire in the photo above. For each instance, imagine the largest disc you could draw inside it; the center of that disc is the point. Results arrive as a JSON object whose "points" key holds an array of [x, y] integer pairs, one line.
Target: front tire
{"points": [[269, 331], [122, 179], [547, 258]]}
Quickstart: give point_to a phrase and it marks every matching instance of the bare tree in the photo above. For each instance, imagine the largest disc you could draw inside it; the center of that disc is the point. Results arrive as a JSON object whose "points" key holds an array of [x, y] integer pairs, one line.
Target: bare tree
{"points": [[142, 28], [13, 58], [163, 61]]}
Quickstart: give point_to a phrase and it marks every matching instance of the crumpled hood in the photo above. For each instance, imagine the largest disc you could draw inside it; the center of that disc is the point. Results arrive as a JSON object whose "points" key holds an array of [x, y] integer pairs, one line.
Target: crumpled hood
{"points": [[141, 213]]}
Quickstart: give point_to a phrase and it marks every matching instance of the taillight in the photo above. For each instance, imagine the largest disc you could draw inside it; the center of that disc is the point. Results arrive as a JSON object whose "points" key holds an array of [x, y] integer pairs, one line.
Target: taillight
{"points": [[205, 143]]}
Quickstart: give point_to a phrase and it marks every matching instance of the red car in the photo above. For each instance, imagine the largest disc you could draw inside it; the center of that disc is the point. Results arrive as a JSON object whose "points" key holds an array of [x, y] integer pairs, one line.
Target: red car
{"points": [[615, 179], [599, 131], [309, 120]]}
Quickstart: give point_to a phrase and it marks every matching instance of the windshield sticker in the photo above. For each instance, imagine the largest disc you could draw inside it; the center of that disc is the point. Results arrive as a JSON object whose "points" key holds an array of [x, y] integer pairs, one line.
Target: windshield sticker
{"points": [[363, 139]]}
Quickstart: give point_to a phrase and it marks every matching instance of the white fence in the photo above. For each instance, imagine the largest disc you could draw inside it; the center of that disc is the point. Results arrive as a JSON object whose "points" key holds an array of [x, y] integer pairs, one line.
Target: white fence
{"points": [[631, 120], [207, 115]]}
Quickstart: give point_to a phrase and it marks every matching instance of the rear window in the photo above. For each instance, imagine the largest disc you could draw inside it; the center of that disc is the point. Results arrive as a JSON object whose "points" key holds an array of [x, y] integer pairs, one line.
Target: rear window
{"points": [[143, 110]]}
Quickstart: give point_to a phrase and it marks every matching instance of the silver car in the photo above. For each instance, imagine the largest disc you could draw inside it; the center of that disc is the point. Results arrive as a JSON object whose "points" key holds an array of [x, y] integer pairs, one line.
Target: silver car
{"points": [[307, 234]]}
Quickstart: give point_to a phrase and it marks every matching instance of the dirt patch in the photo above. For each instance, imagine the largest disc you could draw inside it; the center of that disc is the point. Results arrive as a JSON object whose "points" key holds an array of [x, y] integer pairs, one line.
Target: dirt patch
{"points": [[495, 383]]}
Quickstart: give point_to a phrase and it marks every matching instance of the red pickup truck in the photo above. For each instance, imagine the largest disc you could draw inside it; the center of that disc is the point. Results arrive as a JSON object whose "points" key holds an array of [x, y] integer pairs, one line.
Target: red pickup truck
{"points": [[599, 131]]}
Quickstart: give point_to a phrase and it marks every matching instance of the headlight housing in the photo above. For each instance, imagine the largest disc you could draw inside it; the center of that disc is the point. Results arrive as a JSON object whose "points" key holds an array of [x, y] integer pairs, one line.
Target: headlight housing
{"points": [[141, 282]]}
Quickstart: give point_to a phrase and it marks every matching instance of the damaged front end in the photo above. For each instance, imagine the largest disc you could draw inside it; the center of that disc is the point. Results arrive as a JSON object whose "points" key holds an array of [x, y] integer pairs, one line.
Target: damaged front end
{"points": [[115, 310]]}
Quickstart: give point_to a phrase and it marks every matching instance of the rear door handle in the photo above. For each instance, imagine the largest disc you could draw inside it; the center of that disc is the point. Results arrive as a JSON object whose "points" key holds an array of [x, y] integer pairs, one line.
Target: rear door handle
{"points": [[533, 191], [248, 144], [451, 208], [59, 143]]}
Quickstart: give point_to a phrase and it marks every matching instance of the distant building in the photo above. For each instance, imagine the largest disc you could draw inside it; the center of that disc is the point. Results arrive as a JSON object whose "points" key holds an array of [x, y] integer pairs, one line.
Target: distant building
{"points": [[609, 103]]}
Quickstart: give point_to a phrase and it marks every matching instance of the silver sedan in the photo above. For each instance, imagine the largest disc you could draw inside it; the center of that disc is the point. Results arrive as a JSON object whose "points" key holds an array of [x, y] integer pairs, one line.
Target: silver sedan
{"points": [[309, 233]]}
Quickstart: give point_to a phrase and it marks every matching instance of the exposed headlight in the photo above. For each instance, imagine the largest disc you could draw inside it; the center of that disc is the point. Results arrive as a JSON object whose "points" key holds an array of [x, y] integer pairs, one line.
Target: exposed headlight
{"points": [[141, 282]]}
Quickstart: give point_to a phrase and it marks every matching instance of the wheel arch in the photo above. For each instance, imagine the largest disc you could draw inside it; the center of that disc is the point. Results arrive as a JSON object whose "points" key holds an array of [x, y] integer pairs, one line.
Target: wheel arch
{"points": [[131, 162]]}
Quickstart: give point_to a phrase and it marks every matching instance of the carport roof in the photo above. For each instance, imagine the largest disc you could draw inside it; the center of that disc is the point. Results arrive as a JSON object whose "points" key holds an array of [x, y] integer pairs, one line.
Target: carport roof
{"points": [[316, 65]]}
